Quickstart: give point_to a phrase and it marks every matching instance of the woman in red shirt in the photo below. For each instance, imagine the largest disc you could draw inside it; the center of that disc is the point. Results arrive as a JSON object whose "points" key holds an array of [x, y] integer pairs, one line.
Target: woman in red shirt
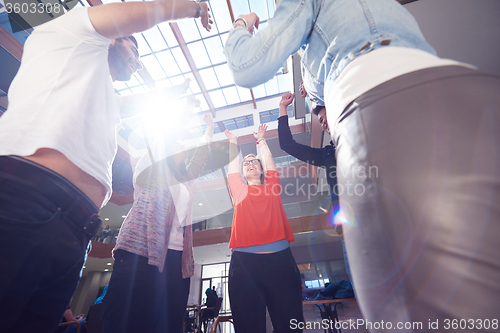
{"points": [[263, 272]]}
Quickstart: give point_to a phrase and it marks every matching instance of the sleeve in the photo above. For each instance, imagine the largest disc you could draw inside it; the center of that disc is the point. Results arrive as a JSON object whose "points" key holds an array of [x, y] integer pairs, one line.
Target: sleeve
{"points": [[237, 188], [254, 60], [304, 153], [198, 161], [75, 27]]}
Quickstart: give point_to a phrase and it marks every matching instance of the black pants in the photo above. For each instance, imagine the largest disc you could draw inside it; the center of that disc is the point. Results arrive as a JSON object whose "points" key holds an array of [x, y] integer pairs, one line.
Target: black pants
{"points": [[45, 227], [260, 280], [141, 299]]}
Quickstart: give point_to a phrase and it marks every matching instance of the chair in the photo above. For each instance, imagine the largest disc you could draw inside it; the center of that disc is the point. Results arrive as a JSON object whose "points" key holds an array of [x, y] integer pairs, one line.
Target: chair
{"points": [[189, 323], [210, 316], [69, 323], [221, 319]]}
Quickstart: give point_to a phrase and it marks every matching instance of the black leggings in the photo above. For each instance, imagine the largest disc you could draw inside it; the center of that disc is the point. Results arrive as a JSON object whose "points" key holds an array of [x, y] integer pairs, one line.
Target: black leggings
{"points": [[141, 299], [260, 280]]}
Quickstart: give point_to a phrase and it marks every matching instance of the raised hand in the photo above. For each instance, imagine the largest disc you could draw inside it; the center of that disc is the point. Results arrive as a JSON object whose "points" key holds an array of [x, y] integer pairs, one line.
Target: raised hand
{"points": [[207, 118], [252, 21], [231, 137], [287, 99], [302, 90], [261, 132], [205, 16]]}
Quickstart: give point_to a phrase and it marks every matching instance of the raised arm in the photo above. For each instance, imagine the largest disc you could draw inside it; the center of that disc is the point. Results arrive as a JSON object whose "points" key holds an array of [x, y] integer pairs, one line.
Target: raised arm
{"points": [[200, 156], [304, 153], [234, 166], [264, 149], [126, 18], [254, 59]]}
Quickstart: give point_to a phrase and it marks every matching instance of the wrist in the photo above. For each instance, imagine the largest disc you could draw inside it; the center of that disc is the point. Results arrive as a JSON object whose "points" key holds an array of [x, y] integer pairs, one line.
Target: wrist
{"points": [[198, 10], [240, 22], [259, 141]]}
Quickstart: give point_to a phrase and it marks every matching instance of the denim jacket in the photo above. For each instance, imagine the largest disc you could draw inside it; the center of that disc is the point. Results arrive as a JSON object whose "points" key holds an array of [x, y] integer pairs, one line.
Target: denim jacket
{"points": [[331, 33]]}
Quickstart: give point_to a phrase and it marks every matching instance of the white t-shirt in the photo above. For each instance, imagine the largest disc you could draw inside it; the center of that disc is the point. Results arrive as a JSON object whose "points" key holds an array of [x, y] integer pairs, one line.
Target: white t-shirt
{"points": [[63, 97], [374, 68]]}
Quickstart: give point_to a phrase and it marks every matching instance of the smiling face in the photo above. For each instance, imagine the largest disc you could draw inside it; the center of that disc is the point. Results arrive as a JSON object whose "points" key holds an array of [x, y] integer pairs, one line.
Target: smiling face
{"points": [[123, 59], [252, 169], [323, 121]]}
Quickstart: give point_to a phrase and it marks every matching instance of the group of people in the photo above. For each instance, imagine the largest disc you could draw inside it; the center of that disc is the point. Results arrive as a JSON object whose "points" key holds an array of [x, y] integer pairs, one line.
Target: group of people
{"points": [[421, 239]]}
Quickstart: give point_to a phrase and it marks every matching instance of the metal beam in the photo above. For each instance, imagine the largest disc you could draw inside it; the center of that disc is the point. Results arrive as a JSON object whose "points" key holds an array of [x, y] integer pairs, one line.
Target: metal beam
{"points": [[10, 44], [192, 65]]}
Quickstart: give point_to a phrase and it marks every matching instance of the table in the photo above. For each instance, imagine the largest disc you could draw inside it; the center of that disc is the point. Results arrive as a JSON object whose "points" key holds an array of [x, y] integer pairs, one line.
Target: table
{"points": [[326, 311], [196, 311]]}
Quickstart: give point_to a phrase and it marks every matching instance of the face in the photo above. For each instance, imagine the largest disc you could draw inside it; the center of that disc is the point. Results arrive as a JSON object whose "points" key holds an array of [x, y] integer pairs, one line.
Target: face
{"points": [[123, 59], [323, 121], [252, 167]]}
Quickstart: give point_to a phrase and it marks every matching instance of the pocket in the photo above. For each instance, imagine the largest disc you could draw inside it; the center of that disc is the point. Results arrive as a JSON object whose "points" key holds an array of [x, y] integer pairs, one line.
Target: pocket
{"points": [[18, 205]]}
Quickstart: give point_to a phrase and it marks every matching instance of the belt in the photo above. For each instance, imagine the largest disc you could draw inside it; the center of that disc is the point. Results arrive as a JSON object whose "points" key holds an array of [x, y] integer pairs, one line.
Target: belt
{"points": [[69, 199]]}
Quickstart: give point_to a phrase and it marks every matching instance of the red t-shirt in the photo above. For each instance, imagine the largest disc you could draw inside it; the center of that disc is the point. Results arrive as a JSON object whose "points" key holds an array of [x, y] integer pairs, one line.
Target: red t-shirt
{"points": [[259, 217]]}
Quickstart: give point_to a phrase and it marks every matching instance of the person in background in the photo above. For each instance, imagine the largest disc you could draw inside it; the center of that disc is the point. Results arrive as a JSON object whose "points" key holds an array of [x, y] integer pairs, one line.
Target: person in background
{"points": [[149, 287], [67, 317], [215, 291], [263, 272], [322, 157], [416, 140], [57, 144]]}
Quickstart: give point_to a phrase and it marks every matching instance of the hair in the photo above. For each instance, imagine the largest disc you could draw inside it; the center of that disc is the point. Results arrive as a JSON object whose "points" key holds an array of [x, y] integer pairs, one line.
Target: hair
{"points": [[132, 38], [262, 176], [316, 109]]}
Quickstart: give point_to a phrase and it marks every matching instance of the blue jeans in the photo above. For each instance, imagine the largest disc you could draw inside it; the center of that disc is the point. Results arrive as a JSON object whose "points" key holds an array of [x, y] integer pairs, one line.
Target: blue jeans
{"points": [[43, 244]]}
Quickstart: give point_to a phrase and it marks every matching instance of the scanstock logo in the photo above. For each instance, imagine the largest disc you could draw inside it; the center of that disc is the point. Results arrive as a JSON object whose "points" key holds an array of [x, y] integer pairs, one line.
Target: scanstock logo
{"points": [[26, 14]]}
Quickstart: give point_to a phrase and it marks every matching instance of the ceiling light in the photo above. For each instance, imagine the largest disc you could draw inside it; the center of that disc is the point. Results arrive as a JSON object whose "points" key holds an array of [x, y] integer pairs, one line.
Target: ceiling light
{"points": [[109, 264], [106, 219], [124, 216], [83, 267], [106, 270], [200, 204]]}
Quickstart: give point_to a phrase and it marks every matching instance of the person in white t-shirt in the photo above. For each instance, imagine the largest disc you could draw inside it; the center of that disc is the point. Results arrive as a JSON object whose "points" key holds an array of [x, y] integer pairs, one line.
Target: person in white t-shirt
{"points": [[57, 145]]}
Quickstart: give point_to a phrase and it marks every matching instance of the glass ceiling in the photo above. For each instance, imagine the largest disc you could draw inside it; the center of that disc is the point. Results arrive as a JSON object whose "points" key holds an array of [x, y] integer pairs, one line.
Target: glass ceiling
{"points": [[163, 58]]}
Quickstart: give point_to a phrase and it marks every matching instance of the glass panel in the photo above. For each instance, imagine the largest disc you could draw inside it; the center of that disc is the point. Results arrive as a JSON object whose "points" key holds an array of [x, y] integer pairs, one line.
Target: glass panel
{"points": [[223, 38], [214, 49], [199, 54], [209, 78], [244, 94], [231, 95], [168, 34], [272, 87], [224, 75], [220, 14], [181, 60], [193, 86], [260, 8], [155, 39], [217, 98], [259, 91], [270, 7], [240, 7], [215, 270], [168, 63], [144, 48], [189, 30], [153, 67], [284, 82]]}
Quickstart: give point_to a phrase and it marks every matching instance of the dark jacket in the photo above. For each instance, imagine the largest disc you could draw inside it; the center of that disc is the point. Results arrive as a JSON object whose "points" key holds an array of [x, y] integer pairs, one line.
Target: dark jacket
{"points": [[322, 157]]}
